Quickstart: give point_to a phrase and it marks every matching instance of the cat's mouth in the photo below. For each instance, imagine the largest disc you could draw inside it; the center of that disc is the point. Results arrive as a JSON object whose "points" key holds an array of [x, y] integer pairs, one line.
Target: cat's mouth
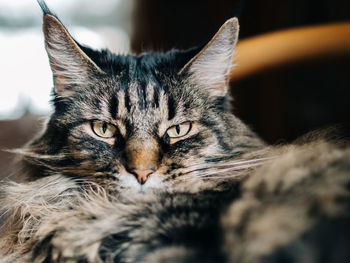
{"points": [[129, 182]]}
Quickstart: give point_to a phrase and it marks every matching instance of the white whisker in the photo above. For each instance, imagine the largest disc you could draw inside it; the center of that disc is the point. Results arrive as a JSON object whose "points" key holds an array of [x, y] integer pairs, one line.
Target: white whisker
{"points": [[205, 166], [230, 169], [222, 177]]}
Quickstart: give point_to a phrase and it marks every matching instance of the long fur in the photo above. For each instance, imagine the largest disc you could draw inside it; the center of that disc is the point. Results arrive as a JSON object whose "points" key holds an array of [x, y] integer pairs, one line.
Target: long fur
{"points": [[64, 221]]}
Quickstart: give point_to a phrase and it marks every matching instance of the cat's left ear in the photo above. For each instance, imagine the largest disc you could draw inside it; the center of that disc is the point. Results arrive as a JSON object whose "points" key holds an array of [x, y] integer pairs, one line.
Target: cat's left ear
{"points": [[210, 68], [70, 65]]}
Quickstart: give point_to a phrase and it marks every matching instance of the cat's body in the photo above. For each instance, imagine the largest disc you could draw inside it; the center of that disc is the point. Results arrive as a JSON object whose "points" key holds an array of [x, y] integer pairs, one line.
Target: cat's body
{"points": [[142, 161]]}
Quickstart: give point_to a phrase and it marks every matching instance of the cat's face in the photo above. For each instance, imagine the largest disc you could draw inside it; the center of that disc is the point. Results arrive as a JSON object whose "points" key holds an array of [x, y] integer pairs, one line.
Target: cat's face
{"points": [[152, 121], [142, 131]]}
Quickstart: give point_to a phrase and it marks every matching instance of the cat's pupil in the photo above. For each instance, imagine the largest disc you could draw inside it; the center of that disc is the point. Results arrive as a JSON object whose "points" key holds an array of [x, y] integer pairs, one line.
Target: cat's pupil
{"points": [[177, 129], [104, 127]]}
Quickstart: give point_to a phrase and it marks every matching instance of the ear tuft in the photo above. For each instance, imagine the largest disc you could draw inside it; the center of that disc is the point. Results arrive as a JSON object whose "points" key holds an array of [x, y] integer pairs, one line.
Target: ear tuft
{"points": [[45, 8], [210, 68]]}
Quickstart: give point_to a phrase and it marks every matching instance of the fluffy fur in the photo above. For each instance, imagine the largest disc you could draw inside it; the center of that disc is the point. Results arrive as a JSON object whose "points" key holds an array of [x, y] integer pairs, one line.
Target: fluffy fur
{"points": [[271, 216], [214, 194]]}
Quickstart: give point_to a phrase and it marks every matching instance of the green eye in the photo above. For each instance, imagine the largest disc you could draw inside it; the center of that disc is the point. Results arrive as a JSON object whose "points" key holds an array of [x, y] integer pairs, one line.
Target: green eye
{"points": [[179, 130], [103, 129]]}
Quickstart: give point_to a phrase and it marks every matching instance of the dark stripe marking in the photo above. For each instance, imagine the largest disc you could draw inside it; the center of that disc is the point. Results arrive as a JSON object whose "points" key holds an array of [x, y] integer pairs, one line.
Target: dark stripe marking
{"points": [[171, 108], [113, 106]]}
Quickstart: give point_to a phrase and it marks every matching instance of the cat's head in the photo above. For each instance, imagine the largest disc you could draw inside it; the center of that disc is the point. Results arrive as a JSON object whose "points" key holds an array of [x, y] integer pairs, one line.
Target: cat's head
{"points": [[148, 121]]}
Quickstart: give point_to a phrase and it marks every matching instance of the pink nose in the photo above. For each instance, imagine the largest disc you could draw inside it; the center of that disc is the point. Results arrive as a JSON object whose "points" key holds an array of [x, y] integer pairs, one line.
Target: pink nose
{"points": [[142, 175]]}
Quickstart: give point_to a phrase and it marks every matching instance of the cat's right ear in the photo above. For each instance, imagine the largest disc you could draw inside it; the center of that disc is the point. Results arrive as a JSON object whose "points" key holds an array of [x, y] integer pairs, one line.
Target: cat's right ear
{"points": [[70, 65]]}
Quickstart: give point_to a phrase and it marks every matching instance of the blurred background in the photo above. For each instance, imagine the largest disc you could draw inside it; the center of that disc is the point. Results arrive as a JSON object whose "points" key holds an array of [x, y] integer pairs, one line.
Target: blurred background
{"points": [[279, 104]]}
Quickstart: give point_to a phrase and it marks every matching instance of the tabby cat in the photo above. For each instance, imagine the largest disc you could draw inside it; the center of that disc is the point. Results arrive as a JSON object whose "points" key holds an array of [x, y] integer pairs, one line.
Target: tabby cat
{"points": [[142, 161]]}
